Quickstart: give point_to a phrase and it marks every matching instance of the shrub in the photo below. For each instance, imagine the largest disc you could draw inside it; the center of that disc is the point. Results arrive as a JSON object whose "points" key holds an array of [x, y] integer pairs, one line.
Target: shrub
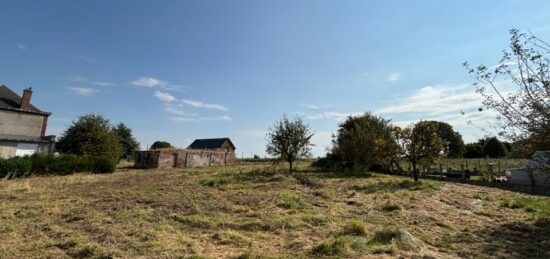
{"points": [[102, 165], [15, 167], [68, 164]]}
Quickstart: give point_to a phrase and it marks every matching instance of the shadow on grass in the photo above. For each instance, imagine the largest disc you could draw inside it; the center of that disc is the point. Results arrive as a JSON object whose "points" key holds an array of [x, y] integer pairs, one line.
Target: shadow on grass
{"points": [[395, 185], [515, 240]]}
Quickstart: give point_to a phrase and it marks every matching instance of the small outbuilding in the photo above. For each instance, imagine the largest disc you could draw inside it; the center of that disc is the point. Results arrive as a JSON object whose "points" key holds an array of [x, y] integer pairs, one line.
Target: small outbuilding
{"points": [[202, 152], [535, 172]]}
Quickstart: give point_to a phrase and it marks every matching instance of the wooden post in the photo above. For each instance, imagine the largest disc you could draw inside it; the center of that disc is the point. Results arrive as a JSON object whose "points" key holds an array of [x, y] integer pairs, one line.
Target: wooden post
{"points": [[441, 171], [490, 171], [463, 172]]}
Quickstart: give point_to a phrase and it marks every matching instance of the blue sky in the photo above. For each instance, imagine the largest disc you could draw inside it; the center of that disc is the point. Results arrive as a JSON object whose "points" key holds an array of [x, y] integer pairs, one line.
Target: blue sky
{"points": [[180, 70]]}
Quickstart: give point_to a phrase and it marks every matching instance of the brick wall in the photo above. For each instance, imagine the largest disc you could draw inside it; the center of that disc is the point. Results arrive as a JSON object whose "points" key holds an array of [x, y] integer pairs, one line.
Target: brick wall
{"points": [[169, 158]]}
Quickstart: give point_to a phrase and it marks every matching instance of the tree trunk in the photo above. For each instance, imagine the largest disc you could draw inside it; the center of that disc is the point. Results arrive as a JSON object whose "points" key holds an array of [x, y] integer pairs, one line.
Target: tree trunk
{"points": [[290, 166], [415, 172]]}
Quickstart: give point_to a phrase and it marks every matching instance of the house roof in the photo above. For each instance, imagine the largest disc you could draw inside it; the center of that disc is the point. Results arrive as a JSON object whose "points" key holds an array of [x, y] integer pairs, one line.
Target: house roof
{"points": [[11, 101], [211, 143], [24, 138]]}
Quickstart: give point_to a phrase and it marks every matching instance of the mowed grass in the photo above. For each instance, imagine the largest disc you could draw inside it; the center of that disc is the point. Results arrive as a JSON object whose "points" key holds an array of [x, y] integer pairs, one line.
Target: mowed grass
{"points": [[257, 210]]}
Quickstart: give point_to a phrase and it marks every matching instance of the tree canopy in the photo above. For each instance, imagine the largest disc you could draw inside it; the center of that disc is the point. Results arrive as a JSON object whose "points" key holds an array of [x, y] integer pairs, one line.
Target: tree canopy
{"points": [[126, 139], [420, 145], [524, 110], [159, 144], [365, 141], [452, 140], [289, 140], [90, 135]]}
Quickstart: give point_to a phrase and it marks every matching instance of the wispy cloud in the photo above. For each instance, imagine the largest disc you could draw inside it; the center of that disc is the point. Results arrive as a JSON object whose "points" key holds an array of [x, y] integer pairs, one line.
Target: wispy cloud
{"points": [[21, 46], [174, 110], [436, 100], [165, 97], [199, 104], [82, 90], [196, 118], [156, 83], [456, 104], [394, 77], [88, 59], [87, 80], [104, 83], [334, 115]]}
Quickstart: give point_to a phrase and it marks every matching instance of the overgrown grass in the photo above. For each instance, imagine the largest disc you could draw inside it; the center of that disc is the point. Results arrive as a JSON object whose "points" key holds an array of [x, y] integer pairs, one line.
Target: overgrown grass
{"points": [[258, 211], [538, 206]]}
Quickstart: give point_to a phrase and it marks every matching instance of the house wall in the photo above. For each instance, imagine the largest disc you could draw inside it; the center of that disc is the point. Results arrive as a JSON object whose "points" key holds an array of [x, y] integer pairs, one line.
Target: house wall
{"points": [[19, 123], [7, 149]]}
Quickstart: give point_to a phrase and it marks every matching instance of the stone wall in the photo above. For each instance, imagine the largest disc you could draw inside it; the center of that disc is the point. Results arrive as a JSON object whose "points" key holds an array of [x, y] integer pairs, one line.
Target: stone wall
{"points": [[169, 158]]}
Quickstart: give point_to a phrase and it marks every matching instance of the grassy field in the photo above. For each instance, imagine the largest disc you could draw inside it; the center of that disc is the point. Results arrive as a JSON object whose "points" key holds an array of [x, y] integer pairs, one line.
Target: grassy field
{"points": [[256, 211]]}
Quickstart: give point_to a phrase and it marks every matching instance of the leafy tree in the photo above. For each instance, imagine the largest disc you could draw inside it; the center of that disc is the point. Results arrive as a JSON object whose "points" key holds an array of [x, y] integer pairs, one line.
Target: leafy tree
{"points": [[90, 135], [127, 141], [452, 140], [289, 140], [420, 145], [473, 150], [494, 148], [159, 144], [365, 141], [524, 111]]}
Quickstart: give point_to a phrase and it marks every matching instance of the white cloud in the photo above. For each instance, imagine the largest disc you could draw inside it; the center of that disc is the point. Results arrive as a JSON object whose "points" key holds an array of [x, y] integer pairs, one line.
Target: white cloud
{"points": [[322, 141], [174, 110], [82, 90], [154, 82], [311, 106], [104, 83], [436, 100], [394, 77], [199, 104], [165, 97], [21, 46], [456, 104], [338, 116], [191, 118]]}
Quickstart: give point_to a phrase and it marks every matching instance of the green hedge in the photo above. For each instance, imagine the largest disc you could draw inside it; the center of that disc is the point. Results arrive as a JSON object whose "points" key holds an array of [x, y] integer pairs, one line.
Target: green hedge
{"points": [[15, 167], [55, 165]]}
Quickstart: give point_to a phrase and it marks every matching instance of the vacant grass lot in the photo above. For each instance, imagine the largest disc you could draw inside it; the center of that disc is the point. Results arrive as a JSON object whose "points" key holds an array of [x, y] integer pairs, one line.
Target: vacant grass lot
{"points": [[256, 211]]}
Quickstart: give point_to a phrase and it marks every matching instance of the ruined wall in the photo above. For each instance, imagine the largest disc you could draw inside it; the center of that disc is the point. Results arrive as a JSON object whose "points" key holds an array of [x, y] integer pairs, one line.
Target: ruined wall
{"points": [[146, 159], [170, 158]]}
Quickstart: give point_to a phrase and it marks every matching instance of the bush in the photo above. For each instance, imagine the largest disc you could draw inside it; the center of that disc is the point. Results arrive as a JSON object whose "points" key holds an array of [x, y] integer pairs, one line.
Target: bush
{"points": [[69, 164], [15, 167], [102, 165]]}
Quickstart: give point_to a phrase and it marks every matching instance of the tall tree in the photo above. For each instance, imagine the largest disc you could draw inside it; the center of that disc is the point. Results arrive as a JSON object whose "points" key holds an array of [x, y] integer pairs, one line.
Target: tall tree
{"points": [[524, 109], [126, 139], [90, 135], [365, 141], [452, 140], [159, 144], [289, 140], [494, 148], [420, 145]]}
